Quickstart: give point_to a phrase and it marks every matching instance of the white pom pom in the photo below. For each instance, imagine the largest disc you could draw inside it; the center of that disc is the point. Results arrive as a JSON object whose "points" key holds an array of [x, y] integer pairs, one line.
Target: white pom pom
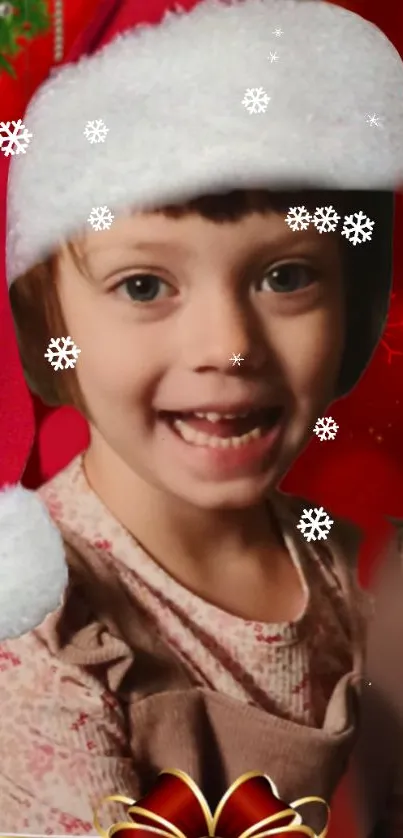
{"points": [[33, 571]]}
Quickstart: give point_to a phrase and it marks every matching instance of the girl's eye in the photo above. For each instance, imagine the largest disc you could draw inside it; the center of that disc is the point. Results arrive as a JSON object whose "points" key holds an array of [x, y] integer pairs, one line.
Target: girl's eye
{"points": [[144, 288], [287, 278]]}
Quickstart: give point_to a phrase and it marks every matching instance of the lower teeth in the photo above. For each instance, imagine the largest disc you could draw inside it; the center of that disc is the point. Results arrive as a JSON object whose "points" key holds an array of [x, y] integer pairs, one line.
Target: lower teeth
{"points": [[199, 438]]}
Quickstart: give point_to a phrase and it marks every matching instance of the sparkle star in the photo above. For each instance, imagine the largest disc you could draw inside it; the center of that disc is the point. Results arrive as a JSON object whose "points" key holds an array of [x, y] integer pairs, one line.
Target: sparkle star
{"points": [[236, 359], [273, 57], [373, 119], [278, 32]]}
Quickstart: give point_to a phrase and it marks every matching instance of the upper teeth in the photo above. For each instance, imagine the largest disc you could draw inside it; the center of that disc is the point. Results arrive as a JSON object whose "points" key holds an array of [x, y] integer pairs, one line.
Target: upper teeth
{"points": [[215, 417], [194, 437]]}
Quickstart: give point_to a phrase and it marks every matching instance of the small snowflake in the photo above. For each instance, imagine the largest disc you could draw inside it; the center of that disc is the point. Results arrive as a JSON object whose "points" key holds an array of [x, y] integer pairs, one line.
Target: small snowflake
{"points": [[17, 138], [315, 524], [278, 32], [325, 219], [255, 100], [100, 218], [326, 428], [273, 57], [95, 131], [357, 228], [62, 353], [298, 218], [236, 359], [373, 119]]}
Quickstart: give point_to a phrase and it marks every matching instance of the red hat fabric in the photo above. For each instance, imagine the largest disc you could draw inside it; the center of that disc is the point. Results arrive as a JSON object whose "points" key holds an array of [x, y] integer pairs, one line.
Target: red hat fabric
{"points": [[115, 17], [16, 436]]}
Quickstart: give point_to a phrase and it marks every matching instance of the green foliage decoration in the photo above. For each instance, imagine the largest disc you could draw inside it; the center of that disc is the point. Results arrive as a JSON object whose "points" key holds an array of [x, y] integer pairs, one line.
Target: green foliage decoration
{"points": [[20, 21]]}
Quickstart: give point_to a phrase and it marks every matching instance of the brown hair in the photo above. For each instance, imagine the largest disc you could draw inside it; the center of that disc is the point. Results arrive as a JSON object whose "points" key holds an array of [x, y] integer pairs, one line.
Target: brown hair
{"points": [[38, 316]]}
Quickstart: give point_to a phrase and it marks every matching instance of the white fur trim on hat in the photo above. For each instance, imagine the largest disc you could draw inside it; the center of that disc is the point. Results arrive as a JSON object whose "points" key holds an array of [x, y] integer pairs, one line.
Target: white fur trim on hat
{"points": [[171, 96], [33, 572]]}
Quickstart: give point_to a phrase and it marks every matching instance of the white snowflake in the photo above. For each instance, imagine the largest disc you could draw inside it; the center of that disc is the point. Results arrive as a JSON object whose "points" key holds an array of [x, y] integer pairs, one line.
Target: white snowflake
{"points": [[357, 228], [315, 524], [62, 353], [100, 218], [325, 428], [325, 219], [17, 138], [255, 100], [373, 119], [95, 131], [278, 32], [298, 218], [273, 57], [236, 359]]}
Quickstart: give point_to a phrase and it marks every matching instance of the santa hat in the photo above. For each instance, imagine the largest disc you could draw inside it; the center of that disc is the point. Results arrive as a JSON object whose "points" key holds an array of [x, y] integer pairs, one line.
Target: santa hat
{"points": [[206, 97]]}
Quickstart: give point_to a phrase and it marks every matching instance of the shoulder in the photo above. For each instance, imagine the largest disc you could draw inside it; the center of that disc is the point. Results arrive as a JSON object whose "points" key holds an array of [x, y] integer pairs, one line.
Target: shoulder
{"points": [[388, 578], [32, 676], [344, 537], [337, 557], [83, 631], [60, 666], [64, 481], [393, 553], [385, 641]]}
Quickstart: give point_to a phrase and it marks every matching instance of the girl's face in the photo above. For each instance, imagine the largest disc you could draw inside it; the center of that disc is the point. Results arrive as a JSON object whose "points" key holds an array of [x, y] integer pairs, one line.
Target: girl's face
{"points": [[166, 304]]}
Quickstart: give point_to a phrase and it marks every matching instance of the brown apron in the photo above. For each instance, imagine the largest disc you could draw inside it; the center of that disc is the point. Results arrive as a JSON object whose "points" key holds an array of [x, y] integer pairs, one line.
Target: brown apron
{"points": [[215, 739]]}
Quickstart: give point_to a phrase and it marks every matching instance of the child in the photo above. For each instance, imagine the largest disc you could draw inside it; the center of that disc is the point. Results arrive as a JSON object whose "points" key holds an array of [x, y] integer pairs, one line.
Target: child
{"points": [[200, 630]]}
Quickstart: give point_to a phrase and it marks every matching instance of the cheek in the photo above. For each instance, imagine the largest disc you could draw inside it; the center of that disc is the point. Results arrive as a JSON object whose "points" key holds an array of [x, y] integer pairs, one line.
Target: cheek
{"points": [[310, 349], [115, 363], [117, 374], [106, 373]]}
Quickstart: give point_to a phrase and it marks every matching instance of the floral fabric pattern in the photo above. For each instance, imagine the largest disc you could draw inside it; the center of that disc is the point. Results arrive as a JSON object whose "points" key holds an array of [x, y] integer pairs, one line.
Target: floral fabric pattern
{"points": [[63, 737]]}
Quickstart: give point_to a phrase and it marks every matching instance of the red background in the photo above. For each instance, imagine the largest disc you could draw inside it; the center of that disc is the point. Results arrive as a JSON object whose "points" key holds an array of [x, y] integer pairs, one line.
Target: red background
{"points": [[360, 473]]}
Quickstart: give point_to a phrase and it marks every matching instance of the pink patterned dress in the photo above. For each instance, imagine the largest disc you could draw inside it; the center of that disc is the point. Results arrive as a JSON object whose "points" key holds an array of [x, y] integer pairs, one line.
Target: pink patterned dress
{"points": [[63, 741]]}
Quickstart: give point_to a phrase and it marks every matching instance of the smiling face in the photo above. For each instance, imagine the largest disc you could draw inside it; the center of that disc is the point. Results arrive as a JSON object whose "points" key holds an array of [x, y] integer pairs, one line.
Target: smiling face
{"points": [[165, 304]]}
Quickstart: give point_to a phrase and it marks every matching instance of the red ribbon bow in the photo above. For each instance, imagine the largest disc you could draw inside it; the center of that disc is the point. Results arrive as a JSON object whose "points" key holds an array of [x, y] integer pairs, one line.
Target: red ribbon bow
{"points": [[176, 808]]}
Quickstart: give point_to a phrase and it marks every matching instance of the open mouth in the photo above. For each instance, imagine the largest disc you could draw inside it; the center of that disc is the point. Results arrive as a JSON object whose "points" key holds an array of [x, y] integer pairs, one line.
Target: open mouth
{"points": [[215, 430]]}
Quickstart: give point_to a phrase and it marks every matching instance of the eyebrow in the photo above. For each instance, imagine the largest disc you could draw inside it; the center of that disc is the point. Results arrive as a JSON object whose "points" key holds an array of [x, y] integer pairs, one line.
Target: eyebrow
{"points": [[286, 240]]}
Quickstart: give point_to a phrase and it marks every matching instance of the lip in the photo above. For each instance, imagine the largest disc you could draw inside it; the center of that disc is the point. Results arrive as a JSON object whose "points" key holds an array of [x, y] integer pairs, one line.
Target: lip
{"points": [[224, 462]]}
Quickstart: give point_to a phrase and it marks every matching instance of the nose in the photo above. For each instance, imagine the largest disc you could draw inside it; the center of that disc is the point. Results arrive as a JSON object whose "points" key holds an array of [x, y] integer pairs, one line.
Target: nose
{"points": [[227, 327]]}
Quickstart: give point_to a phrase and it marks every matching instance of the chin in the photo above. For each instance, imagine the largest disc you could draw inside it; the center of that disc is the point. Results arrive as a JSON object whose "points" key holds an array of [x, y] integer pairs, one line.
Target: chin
{"points": [[237, 494]]}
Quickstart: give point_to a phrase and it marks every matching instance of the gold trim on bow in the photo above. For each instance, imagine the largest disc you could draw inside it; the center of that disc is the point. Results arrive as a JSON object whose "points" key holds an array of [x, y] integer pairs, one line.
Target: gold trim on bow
{"points": [[166, 829]]}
